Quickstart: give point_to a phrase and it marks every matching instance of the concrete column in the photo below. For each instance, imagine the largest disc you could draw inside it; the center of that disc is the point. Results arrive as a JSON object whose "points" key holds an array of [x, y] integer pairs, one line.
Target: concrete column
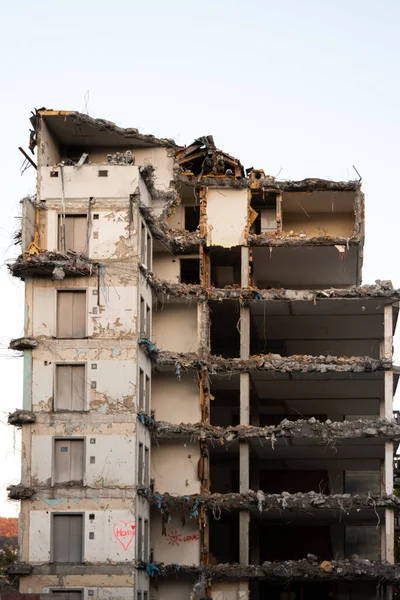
{"points": [[244, 463], [388, 469]]}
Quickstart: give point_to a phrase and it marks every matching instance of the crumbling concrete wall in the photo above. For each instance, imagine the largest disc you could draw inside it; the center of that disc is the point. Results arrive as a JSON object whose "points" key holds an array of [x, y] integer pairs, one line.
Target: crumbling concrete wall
{"points": [[112, 314], [109, 380], [109, 460]]}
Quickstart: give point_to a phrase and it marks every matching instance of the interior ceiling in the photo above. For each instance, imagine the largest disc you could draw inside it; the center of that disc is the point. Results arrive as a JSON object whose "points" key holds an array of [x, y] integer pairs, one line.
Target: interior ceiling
{"points": [[69, 131], [318, 516], [306, 449], [318, 202], [304, 267]]}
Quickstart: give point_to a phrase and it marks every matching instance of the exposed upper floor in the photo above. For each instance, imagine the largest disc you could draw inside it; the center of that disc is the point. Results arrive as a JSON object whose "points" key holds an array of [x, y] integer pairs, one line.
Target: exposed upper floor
{"points": [[90, 172]]}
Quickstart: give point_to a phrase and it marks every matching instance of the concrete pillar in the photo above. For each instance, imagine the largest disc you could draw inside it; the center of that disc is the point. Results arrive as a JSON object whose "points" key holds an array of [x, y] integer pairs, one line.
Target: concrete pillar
{"points": [[244, 463]]}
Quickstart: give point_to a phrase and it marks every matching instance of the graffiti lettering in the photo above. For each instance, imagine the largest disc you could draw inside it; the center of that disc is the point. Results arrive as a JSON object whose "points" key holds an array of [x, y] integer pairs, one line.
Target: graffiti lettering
{"points": [[175, 538], [124, 531]]}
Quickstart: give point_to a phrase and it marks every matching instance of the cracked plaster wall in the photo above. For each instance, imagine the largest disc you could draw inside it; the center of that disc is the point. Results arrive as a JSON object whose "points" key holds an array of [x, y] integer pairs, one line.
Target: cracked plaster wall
{"points": [[115, 318], [111, 235], [115, 380], [106, 587], [114, 458]]}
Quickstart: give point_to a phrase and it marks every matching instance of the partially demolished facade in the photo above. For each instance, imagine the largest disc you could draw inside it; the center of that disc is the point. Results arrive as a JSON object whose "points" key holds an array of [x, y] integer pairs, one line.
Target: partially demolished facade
{"points": [[207, 386]]}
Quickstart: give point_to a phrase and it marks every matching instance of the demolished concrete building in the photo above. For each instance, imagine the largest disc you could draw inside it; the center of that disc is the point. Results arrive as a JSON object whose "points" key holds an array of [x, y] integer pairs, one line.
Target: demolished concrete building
{"points": [[208, 387]]}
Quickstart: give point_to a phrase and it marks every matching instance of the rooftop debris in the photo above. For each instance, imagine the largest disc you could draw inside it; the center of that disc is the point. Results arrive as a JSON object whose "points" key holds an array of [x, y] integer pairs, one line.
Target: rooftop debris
{"points": [[302, 429], [23, 343], [202, 158], [307, 569], [298, 363], [382, 290], [20, 492], [269, 502], [56, 264], [21, 417]]}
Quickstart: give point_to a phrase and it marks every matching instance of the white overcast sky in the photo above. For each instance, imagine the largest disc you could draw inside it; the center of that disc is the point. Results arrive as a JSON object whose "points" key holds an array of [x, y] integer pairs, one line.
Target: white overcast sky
{"points": [[301, 87]]}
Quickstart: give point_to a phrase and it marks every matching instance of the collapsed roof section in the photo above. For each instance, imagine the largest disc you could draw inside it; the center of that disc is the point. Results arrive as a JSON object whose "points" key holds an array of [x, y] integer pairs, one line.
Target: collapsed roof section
{"points": [[203, 159]]}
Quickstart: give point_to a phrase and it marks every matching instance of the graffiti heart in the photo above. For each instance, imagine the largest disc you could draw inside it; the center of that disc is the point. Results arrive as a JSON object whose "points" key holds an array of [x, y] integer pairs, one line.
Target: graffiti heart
{"points": [[124, 531]]}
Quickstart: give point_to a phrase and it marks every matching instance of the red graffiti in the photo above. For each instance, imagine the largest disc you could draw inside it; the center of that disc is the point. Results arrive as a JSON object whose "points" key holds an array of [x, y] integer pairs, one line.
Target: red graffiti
{"points": [[175, 538], [124, 531]]}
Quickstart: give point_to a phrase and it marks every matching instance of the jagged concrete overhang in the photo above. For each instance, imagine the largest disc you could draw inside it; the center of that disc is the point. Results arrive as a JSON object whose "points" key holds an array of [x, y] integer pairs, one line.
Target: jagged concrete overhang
{"points": [[382, 290], [289, 570], [328, 432], [54, 264], [101, 131], [311, 184], [278, 503], [301, 363], [21, 417]]}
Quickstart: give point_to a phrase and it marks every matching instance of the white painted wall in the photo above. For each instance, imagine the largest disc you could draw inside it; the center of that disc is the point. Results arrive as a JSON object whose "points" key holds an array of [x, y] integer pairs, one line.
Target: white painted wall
{"points": [[114, 460], [229, 590], [175, 327], [174, 468], [162, 163], [115, 318], [166, 267], [99, 593], [185, 393], [181, 545], [106, 545], [172, 590], [122, 180], [226, 217]]}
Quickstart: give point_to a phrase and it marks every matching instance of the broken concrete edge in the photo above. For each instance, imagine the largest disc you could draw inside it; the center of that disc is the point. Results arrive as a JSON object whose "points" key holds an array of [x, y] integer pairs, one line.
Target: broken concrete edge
{"points": [[23, 343], [20, 492], [327, 432], [269, 502], [301, 363], [301, 570], [177, 240], [272, 184], [56, 264], [19, 568], [21, 417], [382, 290]]}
